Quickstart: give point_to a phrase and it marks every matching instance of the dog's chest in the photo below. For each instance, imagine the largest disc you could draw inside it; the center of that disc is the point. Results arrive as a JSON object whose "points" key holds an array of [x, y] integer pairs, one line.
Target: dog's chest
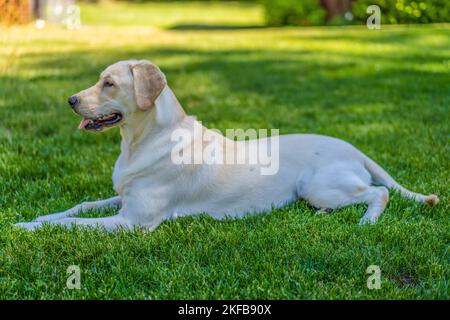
{"points": [[119, 174], [129, 171]]}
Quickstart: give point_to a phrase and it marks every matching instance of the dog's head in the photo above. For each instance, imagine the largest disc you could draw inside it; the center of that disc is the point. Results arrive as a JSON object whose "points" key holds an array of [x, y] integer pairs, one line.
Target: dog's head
{"points": [[124, 88]]}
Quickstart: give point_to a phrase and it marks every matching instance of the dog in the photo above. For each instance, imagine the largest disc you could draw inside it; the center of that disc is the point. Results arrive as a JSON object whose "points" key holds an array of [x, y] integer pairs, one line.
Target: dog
{"points": [[133, 95]]}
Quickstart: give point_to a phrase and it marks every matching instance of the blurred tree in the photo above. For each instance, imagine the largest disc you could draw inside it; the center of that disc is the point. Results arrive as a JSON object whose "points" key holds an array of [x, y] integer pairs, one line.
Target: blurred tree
{"points": [[38, 8], [404, 11], [294, 12], [321, 12], [15, 11], [335, 8]]}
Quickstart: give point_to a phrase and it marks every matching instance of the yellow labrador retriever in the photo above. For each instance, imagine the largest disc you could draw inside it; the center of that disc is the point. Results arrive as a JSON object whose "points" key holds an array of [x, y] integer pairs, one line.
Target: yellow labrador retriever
{"points": [[134, 96]]}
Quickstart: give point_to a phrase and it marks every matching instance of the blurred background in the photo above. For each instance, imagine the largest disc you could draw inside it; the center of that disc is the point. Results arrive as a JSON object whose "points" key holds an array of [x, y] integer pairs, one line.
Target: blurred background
{"points": [[261, 12]]}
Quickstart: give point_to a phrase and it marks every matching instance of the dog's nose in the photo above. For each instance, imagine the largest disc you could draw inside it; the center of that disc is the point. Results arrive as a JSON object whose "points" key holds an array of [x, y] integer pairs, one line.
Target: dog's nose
{"points": [[73, 100]]}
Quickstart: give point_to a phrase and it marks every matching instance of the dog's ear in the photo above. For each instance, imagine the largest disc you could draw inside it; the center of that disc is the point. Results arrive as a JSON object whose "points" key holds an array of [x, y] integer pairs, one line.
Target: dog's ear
{"points": [[149, 81]]}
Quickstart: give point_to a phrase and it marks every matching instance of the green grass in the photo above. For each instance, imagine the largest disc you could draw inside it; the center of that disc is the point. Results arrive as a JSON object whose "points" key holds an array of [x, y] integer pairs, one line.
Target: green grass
{"points": [[174, 15], [387, 92]]}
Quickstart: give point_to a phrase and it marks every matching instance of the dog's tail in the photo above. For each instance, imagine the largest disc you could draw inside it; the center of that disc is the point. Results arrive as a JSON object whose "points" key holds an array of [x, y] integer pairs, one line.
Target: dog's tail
{"points": [[380, 176]]}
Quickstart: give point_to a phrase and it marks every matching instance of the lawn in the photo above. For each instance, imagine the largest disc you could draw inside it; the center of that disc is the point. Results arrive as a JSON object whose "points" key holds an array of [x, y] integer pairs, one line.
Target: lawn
{"points": [[387, 92]]}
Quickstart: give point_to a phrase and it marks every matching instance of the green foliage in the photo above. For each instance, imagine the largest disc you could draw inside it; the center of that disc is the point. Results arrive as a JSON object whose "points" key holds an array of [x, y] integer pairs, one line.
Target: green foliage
{"points": [[404, 11], [310, 12], [385, 92], [293, 12]]}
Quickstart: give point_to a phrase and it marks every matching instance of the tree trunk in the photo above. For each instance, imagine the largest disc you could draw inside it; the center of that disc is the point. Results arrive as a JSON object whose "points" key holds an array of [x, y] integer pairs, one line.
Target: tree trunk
{"points": [[38, 8], [335, 8]]}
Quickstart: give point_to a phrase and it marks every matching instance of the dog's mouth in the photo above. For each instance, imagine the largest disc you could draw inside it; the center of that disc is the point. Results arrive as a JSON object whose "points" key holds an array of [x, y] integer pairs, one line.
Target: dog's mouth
{"points": [[98, 124]]}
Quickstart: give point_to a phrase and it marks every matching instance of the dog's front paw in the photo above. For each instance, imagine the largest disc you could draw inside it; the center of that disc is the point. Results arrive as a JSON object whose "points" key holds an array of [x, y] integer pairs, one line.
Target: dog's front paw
{"points": [[28, 225]]}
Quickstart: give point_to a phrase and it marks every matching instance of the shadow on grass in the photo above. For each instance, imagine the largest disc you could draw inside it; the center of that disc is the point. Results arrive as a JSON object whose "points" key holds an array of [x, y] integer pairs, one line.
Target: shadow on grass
{"points": [[212, 27], [390, 36], [288, 89], [291, 79]]}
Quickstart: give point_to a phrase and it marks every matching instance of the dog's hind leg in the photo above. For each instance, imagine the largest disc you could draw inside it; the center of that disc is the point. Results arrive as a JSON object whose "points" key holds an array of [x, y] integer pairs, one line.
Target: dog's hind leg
{"points": [[376, 198], [337, 187], [82, 207]]}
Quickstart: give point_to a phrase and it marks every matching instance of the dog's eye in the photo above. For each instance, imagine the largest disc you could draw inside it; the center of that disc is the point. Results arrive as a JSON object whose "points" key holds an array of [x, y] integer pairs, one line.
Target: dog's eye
{"points": [[108, 84]]}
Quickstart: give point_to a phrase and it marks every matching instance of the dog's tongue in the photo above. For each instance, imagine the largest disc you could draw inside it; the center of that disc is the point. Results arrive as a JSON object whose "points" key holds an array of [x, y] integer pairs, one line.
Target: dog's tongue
{"points": [[84, 123]]}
